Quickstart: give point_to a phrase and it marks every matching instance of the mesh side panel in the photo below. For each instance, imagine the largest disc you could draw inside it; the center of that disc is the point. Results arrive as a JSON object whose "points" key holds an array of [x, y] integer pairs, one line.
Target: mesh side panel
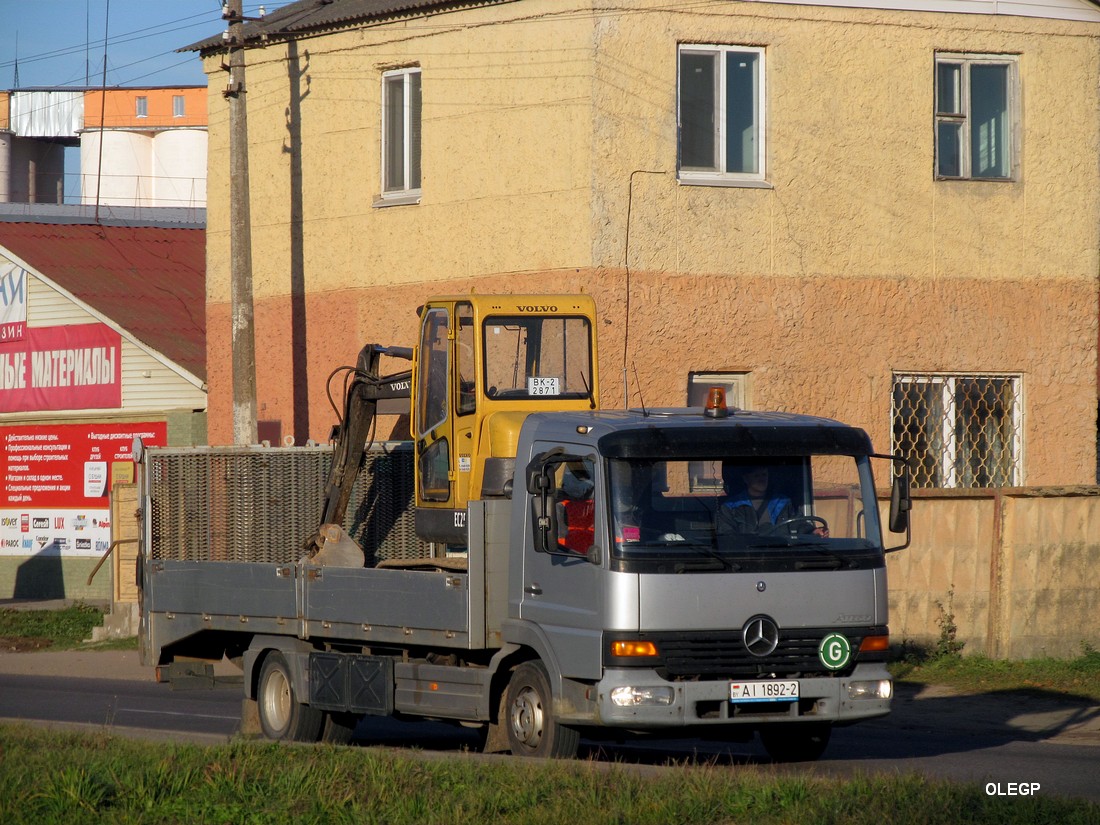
{"points": [[261, 504]]}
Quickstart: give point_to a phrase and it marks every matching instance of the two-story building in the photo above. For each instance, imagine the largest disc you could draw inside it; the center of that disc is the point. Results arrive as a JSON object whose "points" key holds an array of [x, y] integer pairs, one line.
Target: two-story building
{"points": [[885, 211]]}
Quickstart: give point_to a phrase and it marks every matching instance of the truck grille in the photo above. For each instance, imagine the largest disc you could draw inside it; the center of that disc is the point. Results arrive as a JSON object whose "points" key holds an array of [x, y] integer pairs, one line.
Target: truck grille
{"points": [[722, 654], [261, 504]]}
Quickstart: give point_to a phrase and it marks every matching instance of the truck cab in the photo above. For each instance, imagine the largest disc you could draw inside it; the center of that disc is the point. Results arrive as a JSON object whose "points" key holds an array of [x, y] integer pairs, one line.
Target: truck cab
{"points": [[694, 605]]}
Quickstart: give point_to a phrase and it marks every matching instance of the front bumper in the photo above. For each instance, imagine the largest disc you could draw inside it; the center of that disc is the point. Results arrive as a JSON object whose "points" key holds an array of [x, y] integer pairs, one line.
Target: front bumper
{"points": [[836, 700]]}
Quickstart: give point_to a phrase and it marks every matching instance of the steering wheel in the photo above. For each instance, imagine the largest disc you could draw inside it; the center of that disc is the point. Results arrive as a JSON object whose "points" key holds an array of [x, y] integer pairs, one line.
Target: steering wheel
{"points": [[812, 522]]}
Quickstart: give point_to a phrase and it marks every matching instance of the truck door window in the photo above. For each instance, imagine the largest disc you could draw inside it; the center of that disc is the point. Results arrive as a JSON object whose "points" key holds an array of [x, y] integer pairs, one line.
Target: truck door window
{"points": [[434, 369], [434, 470], [576, 506], [464, 360]]}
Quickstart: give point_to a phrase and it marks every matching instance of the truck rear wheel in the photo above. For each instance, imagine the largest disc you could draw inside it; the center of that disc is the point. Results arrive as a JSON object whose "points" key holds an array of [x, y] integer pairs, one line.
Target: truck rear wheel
{"points": [[282, 716], [532, 728], [795, 742], [339, 728]]}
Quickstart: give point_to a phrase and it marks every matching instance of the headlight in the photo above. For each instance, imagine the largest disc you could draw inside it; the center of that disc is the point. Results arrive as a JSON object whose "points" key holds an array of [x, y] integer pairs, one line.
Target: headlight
{"points": [[877, 689], [631, 697]]}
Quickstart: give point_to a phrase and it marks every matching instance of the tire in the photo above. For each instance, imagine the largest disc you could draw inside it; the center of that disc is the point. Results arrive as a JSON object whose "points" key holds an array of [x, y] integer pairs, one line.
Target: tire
{"points": [[338, 728], [282, 716], [803, 742], [529, 718]]}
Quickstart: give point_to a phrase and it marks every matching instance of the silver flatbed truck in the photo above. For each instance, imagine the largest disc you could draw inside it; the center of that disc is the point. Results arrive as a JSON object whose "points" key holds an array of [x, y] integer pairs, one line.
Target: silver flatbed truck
{"points": [[604, 582]]}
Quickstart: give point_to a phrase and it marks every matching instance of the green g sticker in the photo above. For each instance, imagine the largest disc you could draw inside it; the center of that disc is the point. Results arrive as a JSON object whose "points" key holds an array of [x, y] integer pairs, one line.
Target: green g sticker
{"points": [[834, 651]]}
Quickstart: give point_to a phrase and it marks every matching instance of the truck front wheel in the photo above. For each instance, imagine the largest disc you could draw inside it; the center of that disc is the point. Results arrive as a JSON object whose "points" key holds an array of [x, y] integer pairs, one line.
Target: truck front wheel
{"points": [[532, 728], [802, 742], [282, 716]]}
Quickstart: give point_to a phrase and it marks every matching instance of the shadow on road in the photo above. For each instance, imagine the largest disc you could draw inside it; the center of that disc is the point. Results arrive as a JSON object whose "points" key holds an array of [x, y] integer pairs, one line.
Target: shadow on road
{"points": [[926, 721]]}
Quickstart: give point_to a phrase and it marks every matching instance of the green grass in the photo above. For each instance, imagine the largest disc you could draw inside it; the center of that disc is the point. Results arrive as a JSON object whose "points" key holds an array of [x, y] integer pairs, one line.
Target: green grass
{"points": [[1079, 676], [48, 777], [64, 629]]}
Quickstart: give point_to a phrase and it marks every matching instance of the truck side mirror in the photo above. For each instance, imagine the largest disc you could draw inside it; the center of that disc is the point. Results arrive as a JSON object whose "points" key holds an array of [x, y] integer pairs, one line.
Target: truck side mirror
{"points": [[901, 502], [540, 485]]}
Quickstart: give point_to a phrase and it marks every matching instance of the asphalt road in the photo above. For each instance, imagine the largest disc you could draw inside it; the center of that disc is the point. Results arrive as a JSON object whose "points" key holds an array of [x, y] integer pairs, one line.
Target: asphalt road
{"points": [[998, 742]]}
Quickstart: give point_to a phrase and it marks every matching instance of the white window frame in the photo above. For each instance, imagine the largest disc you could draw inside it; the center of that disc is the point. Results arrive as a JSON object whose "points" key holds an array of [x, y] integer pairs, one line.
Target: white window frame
{"points": [[141, 106], [408, 190], [179, 106], [736, 384], [719, 176], [947, 386], [964, 118]]}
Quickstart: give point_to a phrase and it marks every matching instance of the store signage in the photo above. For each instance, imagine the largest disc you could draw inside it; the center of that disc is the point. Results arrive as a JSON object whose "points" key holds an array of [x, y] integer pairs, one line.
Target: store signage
{"points": [[13, 302], [57, 482], [76, 367]]}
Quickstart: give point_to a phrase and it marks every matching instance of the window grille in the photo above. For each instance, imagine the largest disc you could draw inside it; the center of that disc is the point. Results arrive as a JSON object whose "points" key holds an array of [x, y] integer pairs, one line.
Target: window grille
{"points": [[959, 431]]}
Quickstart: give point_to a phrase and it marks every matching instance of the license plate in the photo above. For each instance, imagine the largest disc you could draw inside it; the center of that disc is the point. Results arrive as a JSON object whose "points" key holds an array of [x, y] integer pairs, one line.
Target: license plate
{"points": [[772, 690]]}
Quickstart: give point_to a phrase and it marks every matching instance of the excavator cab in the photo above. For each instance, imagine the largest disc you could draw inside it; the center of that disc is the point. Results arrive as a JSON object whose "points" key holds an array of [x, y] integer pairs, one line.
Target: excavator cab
{"points": [[481, 365]]}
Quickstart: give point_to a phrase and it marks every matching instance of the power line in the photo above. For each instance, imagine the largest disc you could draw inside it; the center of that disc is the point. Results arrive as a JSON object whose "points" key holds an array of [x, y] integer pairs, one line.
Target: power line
{"points": [[212, 19]]}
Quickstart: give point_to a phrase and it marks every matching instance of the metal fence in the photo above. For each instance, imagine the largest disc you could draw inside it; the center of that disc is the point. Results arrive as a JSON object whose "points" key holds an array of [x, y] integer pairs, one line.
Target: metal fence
{"points": [[261, 504]]}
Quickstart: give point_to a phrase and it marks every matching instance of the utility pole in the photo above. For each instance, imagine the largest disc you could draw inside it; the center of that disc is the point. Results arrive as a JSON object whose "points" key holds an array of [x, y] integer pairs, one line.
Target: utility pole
{"points": [[240, 231]]}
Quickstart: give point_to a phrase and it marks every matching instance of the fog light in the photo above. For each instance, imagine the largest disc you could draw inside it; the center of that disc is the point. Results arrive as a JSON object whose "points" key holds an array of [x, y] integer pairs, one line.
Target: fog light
{"points": [[632, 697], [878, 689]]}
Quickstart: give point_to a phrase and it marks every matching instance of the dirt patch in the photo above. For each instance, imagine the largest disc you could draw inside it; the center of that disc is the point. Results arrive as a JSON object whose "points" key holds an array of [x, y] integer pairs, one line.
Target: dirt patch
{"points": [[22, 644]]}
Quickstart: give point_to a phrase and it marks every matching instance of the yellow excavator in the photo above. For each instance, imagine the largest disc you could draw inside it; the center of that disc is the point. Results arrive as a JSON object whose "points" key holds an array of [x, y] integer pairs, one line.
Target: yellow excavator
{"points": [[482, 364]]}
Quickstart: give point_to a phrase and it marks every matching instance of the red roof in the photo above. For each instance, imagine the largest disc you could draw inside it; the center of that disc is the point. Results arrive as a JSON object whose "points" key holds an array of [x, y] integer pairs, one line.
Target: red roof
{"points": [[150, 281]]}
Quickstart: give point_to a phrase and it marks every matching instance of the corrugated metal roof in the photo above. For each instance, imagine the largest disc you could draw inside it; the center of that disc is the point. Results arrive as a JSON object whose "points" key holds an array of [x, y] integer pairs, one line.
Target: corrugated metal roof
{"points": [[150, 281], [311, 16]]}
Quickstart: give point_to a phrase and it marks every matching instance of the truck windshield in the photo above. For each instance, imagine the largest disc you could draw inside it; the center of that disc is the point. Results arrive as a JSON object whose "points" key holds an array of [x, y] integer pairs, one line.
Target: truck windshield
{"points": [[537, 357], [738, 513]]}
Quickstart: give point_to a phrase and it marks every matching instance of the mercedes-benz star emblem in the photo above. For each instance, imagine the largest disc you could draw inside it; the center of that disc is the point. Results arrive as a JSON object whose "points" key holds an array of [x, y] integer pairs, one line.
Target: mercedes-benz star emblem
{"points": [[760, 635]]}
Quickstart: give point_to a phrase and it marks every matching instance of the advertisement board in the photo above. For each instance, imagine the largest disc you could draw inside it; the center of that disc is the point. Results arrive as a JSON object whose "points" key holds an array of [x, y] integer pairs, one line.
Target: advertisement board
{"points": [[57, 478], [75, 367], [13, 301]]}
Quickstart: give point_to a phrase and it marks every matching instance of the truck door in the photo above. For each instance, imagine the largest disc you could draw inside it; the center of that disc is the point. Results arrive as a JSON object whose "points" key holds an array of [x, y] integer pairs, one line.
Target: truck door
{"points": [[561, 581], [433, 425]]}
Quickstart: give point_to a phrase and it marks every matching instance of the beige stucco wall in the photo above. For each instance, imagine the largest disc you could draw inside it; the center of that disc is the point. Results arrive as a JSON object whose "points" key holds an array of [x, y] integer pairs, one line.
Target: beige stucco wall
{"points": [[549, 155], [1014, 568]]}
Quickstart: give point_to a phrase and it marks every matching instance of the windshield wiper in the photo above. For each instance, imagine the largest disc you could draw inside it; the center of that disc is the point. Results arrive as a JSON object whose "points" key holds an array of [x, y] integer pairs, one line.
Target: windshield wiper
{"points": [[714, 554], [828, 561], [710, 552]]}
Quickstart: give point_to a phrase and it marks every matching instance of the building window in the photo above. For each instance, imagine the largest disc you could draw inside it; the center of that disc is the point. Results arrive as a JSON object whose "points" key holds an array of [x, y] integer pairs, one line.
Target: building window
{"points": [[720, 115], [141, 107], [976, 105], [958, 430], [178, 107], [401, 133]]}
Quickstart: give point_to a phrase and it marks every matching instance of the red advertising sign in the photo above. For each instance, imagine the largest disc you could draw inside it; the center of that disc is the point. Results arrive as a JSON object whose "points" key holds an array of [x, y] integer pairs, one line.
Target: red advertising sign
{"points": [[75, 367], [56, 483]]}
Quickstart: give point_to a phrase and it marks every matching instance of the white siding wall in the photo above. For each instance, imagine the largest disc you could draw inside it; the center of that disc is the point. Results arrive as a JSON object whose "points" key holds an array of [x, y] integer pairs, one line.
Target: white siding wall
{"points": [[164, 389]]}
